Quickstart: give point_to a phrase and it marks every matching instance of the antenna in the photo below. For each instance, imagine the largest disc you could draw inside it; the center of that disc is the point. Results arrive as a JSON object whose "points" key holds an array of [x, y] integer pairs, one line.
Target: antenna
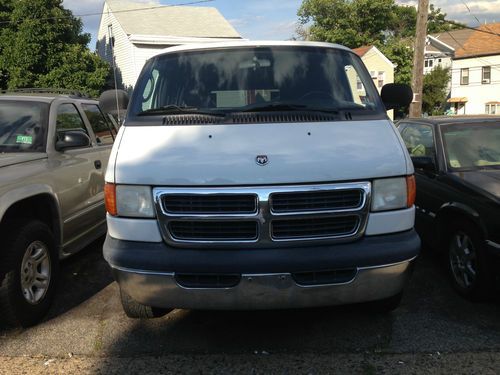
{"points": [[112, 45]]}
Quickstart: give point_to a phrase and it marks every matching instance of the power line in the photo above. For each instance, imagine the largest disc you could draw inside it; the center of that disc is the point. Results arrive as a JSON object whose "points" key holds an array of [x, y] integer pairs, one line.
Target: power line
{"points": [[101, 13]]}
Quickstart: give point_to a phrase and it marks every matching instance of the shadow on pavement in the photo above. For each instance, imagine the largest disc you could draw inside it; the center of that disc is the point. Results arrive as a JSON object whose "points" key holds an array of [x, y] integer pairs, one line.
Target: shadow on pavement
{"points": [[81, 277], [431, 318]]}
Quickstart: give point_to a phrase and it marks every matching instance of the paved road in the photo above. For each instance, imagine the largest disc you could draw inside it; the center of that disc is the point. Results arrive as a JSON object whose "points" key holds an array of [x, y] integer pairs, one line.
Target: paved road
{"points": [[87, 324]]}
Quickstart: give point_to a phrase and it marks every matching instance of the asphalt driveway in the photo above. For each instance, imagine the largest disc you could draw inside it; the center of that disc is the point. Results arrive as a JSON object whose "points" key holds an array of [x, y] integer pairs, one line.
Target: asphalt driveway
{"points": [[87, 328]]}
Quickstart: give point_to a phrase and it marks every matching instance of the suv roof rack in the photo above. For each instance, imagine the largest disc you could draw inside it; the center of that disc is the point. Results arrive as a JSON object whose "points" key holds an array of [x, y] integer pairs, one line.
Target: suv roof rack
{"points": [[36, 90]]}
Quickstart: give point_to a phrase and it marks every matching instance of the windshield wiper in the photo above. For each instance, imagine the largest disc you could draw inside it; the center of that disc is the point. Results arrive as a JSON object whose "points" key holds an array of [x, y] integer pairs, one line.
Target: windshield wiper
{"points": [[284, 106], [173, 109]]}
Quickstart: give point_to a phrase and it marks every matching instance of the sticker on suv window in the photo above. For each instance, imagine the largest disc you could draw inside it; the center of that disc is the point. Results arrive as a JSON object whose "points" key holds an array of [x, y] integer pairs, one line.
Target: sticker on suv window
{"points": [[24, 139]]}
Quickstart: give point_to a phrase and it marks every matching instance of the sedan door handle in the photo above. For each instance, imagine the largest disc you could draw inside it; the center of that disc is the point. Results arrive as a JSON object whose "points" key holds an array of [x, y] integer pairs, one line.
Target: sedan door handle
{"points": [[97, 164]]}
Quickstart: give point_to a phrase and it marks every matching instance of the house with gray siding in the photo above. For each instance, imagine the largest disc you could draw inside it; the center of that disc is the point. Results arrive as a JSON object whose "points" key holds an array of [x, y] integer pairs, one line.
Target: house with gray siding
{"points": [[131, 33]]}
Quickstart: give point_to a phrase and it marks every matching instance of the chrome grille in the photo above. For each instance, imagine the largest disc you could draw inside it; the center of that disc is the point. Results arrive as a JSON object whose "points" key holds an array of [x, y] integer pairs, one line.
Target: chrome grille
{"points": [[210, 204], [271, 216], [336, 226], [317, 200], [214, 230]]}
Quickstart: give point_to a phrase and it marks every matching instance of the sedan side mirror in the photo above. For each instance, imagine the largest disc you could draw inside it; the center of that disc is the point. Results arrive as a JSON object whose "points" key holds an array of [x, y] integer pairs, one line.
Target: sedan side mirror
{"points": [[424, 162], [72, 139], [396, 95]]}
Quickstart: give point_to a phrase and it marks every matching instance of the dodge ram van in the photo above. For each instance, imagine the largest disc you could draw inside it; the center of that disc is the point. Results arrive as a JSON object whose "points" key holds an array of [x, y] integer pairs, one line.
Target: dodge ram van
{"points": [[259, 175]]}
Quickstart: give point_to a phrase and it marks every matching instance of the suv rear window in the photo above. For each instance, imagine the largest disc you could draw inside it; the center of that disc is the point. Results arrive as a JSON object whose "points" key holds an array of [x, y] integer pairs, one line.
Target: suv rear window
{"points": [[23, 126], [239, 79]]}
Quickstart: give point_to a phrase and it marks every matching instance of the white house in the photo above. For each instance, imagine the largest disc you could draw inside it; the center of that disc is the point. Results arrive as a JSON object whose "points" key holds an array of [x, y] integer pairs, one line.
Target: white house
{"points": [[475, 76], [132, 32], [441, 47]]}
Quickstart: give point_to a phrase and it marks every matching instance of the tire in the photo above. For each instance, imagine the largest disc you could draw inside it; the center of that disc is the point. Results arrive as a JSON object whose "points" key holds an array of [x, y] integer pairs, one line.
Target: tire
{"points": [[136, 310], [385, 305], [29, 272], [467, 263]]}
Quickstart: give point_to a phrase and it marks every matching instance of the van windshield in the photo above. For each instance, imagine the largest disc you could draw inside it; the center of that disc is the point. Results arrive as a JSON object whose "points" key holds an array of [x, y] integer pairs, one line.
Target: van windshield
{"points": [[280, 78], [23, 126]]}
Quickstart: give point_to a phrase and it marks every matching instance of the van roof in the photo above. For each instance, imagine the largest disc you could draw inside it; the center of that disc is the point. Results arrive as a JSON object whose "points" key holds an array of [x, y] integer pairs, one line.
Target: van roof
{"points": [[247, 43]]}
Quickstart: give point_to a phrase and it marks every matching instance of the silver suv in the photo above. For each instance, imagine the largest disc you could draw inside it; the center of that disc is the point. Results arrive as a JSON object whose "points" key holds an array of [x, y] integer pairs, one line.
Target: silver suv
{"points": [[54, 151]]}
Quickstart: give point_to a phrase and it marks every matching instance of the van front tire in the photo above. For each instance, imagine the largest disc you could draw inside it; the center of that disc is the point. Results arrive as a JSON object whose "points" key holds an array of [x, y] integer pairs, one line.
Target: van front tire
{"points": [[136, 310]]}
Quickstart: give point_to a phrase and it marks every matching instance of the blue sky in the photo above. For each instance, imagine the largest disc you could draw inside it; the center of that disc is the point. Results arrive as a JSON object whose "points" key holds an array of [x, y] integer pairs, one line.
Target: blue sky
{"points": [[276, 19]]}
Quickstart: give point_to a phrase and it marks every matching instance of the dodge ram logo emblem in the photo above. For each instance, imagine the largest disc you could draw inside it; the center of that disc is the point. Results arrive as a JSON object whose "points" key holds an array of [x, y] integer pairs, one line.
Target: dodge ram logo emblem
{"points": [[262, 159]]}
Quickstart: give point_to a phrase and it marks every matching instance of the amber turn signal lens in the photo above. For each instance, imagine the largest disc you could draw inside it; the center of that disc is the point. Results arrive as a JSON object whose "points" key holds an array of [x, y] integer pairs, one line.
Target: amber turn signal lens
{"points": [[411, 191], [110, 198]]}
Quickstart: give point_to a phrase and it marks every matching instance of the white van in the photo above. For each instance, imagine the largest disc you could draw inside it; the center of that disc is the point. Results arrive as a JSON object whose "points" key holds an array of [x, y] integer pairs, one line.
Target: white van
{"points": [[259, 175]]}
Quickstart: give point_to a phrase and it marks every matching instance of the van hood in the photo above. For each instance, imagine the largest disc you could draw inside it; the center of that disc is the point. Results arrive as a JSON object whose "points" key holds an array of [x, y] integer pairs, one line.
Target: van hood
{"points": [[221, 155], [7, 159]]}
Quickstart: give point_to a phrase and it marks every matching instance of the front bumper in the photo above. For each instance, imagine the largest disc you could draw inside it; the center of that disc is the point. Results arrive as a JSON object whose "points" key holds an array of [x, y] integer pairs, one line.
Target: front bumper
{"points": [[147, 272], [262, 292]]}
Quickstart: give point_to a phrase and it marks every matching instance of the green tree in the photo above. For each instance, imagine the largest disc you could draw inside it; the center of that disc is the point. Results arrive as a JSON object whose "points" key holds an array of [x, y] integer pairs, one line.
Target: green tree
{"points": [[43, 44], [383, 23], [435, 91]]}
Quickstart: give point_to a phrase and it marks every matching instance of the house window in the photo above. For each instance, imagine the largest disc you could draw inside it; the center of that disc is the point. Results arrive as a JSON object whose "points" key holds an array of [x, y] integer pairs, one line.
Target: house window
{"points": [[380, 79], [373, 74], [426, 63], [359, 84], [439, 60], [431, 62], [464, 76], [486, 76], [492, 108]]}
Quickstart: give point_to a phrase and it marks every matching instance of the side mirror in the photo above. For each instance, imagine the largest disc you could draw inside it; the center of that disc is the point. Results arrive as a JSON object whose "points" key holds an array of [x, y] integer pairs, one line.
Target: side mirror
{"points": [[424, 162], [72, 139], [396, 95], [114, 101]]}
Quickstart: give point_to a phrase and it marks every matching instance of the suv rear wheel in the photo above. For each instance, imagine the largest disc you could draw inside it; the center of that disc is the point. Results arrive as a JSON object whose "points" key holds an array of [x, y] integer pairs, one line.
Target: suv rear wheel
{"points": [[29, 272]]}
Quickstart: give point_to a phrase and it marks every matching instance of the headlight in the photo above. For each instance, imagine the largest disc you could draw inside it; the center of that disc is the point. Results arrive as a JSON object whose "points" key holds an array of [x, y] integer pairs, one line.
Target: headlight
{"points": [[134, 201], [393, 193]]}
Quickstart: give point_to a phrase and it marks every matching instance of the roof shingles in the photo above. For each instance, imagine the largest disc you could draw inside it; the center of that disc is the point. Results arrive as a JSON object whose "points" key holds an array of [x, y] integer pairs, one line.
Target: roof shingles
{"points": [[178, 21]]}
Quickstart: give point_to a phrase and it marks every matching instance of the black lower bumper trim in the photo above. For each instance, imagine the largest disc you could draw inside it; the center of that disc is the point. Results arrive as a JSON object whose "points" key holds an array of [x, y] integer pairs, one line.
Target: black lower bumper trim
{"points": [[365, 252]]}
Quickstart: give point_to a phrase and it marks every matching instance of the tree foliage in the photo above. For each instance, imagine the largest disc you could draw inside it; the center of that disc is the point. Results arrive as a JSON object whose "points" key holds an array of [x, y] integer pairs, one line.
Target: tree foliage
{"points": [[383, 23], [435, 91], [42, 44]]}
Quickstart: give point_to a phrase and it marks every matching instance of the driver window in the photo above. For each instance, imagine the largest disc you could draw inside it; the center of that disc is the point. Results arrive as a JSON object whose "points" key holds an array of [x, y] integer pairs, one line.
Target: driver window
{"points": [[68, 118], [147, 96], [419, 140]]}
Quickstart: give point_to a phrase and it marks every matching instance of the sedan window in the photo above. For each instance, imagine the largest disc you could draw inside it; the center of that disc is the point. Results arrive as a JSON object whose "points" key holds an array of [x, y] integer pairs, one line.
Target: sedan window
{"points": [[472, 146], [419, 140]]}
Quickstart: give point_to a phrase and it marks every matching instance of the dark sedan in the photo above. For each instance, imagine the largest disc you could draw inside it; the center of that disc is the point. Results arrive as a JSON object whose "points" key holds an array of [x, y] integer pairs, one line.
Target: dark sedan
{"points": [[457, 168]]}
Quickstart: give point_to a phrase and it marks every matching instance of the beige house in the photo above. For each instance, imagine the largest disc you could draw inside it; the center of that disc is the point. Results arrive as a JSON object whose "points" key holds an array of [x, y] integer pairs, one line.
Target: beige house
{"points": [[380, 67], [130, 33]]}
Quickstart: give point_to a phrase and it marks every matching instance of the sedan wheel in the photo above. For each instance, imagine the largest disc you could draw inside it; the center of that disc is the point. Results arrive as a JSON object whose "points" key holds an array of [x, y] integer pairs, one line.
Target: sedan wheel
{"points": [[462, 258], [468, 267]]}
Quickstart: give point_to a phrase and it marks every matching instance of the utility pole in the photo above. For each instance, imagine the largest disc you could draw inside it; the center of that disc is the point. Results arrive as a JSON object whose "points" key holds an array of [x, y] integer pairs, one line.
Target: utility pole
{"points": [[417, 81]]}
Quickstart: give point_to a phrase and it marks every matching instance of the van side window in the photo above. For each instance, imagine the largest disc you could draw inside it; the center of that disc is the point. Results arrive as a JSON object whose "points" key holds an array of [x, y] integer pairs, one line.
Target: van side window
{"points": [[419, 140], [104, 132], [68, 118]]}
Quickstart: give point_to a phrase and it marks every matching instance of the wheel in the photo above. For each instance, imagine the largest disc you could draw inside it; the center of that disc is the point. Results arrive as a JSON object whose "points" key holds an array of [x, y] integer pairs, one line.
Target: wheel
{"points": [[385, 305], [136, 310], [467, 265], [28, 275]]}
